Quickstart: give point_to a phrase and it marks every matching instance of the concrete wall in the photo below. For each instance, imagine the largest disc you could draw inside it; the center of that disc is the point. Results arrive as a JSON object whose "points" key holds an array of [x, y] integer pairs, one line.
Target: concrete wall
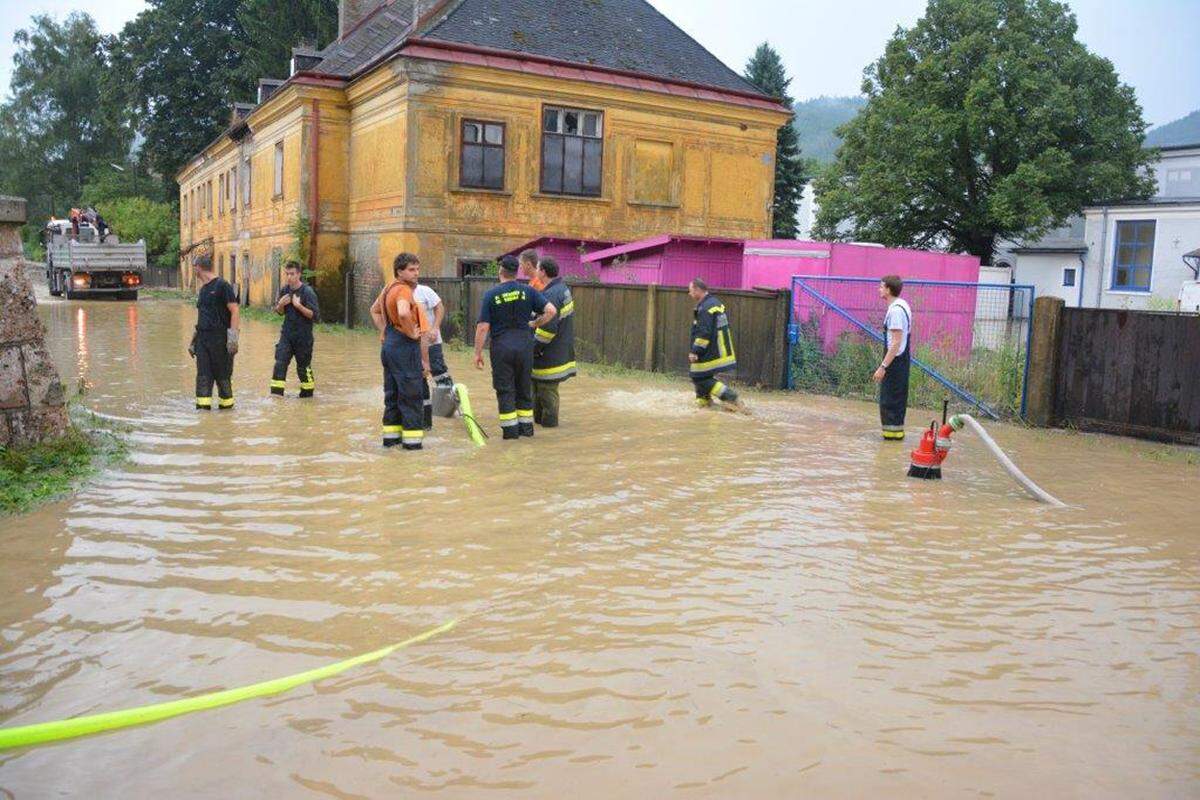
{"points": [[1044, 271], [32, 401], [1177, 231]]}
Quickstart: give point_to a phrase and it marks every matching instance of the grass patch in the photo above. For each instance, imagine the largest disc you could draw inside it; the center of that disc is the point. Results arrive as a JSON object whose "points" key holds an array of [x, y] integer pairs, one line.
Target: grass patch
{"points": [[30, 476]]}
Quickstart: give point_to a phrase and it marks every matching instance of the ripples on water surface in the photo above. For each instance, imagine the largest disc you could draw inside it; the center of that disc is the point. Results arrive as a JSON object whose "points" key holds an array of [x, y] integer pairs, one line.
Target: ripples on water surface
{"points": [[657, 601]]}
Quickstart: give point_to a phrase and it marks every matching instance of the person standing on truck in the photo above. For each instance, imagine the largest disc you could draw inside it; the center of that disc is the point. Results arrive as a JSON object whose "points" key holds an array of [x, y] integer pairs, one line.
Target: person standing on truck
{"points": [[402, 325], [892, 373], [215, 343], [298, 304], [553, 345], [507, 314], [711, 351], [435, 312]]}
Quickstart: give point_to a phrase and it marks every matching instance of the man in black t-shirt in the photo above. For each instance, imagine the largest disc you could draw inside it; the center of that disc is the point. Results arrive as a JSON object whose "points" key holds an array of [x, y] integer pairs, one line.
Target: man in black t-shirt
{"points": [[216, 338], [508, 314], [297, 302]]}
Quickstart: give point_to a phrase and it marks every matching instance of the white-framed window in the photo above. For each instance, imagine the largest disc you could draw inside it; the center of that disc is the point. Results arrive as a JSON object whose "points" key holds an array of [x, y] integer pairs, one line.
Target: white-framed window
{"points": [[572, 151], [277, 185]]}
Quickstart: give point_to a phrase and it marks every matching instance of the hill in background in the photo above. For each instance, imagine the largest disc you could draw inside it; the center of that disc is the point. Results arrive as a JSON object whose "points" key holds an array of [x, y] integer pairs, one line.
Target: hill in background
{"points": [[1182, 131], [816, 120]]}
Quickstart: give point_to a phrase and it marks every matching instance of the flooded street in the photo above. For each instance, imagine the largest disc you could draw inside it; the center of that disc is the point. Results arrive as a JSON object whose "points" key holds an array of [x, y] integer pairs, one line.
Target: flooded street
{"points": [[654, 600]]}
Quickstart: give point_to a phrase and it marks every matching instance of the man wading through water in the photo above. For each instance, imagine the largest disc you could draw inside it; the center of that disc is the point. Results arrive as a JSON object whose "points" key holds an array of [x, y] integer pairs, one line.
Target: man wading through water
{"points": [[553, 344], [507, 313], [402, 325], [298, 304], [712, 348], [216, 339], [892, 374]]}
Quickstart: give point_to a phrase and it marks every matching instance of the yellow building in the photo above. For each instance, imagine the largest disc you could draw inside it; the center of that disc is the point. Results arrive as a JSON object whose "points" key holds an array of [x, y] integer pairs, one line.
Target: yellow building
{"points": [[484, 125]]}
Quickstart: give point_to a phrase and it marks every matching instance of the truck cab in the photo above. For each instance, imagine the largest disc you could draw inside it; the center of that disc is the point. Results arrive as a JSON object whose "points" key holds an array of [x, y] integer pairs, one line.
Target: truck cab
{"points": [[84, 265]]}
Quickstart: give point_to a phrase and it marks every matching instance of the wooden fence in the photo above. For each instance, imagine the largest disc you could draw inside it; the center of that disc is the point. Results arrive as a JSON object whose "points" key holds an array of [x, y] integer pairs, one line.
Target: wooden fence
{"points": [[1134, 373], [645, 327], [161, 277]]}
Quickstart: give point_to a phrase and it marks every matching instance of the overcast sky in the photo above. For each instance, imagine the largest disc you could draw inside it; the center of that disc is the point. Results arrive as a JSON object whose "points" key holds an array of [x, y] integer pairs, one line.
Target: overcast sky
{"points": [[1155, 44]]}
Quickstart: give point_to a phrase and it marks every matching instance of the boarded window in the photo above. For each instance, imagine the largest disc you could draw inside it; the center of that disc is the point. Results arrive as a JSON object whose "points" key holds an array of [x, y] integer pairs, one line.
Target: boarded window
{"points": [[653, 168], [1134, 255], [277, 185], [481, 160], [572, 151]]}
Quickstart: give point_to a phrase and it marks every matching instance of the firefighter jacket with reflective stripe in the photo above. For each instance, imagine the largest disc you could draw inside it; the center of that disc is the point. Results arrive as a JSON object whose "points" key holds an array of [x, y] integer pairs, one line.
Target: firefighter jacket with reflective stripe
{"points": [[554, 342], [712, 342]]}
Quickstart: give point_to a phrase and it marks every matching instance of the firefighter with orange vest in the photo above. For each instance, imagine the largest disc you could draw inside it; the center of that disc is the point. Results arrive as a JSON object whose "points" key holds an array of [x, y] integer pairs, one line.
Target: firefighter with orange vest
{"points": [[402, 325], [712, 348]]}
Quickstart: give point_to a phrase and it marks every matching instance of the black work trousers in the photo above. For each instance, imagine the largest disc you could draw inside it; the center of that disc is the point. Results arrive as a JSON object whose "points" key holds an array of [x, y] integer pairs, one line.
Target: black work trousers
{"points": [[545, 403], [512, 378], [299, 347], [439, 373], [403, 380], [893, 397], [214, 364], [710, 387]]}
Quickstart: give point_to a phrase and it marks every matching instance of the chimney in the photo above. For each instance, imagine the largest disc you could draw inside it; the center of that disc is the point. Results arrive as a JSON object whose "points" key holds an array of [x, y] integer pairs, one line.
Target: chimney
{"points": [[266, 88], [352, 12], [304, 58]]}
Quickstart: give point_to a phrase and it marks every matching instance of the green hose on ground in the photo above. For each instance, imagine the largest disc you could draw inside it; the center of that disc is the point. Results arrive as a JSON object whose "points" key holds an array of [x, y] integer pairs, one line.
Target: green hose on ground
{"points": [[43, 732], [464, 403]]}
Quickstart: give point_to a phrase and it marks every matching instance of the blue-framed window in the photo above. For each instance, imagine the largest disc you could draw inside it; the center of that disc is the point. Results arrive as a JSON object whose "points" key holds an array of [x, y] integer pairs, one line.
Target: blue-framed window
{"points": [[1068, 276], [1134, 255]]}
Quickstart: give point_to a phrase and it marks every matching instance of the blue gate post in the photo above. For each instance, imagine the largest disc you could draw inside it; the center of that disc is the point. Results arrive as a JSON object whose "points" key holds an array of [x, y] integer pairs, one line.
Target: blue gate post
{"points": [[1028, 344]]}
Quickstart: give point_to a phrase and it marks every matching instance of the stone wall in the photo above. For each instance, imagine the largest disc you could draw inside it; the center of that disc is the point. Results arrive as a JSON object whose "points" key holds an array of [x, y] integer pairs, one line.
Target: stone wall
{"points": [[32, 401]]}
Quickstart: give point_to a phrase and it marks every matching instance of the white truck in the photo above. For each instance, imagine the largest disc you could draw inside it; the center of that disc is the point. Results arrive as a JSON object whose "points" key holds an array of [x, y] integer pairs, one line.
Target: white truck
{"points": [[84, 266]]}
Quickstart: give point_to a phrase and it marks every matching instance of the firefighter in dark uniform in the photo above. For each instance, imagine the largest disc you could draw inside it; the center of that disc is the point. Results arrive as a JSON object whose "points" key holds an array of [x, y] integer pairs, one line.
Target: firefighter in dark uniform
{"points": [[216, 339], [402, 325], [892, 373], [711, 349], [297, 303], [508, 313], [553, 344]]}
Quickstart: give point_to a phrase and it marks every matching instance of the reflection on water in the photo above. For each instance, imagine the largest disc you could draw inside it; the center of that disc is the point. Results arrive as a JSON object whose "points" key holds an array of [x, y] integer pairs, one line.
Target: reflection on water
{"points": [[657, 599]]}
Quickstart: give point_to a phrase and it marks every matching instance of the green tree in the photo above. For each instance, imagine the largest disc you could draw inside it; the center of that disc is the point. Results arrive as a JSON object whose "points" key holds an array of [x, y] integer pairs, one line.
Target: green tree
{"points": [[134, 218], [765, 70], [178, 63], [985, 120], [60, 122], [271, 29]]}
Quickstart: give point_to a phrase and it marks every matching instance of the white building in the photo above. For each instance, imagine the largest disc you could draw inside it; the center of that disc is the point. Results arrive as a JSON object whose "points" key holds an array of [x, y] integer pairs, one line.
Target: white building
{"points": [[1123, 255]]}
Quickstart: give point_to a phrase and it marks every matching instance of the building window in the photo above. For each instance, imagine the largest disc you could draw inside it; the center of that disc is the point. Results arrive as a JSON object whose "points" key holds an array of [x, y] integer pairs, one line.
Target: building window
{"points": [[1134, 255], [572, 151], [481, 161], [208, 205], [246, 182], [1069, 276], [221, 194], [184, 215], [233, 270], [278, 183], [474, 266], [233, 192]]}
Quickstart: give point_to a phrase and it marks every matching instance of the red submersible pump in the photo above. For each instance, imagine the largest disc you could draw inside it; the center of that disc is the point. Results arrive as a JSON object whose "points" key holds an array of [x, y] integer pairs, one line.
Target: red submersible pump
{"points": [[926, 460]]}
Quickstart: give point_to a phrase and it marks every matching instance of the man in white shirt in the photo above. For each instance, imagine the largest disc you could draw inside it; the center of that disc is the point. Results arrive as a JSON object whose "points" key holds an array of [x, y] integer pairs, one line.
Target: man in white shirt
{"points": [[892, 373], [435, 311]]}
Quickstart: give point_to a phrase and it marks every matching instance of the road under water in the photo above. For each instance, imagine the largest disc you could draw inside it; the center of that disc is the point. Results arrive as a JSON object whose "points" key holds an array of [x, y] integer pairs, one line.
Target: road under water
{"points": [[655, 600]]}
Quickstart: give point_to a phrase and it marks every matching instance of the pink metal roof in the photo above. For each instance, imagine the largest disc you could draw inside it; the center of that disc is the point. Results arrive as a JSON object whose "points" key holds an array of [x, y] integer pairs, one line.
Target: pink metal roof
{"points": [[652, 242]]}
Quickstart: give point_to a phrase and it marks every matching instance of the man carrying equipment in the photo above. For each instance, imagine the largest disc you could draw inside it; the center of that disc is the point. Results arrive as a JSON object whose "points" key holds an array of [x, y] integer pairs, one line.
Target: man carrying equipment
{"points": [[435, 312], [401, 323], [507, 313], [712, 348], [892, 374], [553, 345], [297, 303], [216, 339]]}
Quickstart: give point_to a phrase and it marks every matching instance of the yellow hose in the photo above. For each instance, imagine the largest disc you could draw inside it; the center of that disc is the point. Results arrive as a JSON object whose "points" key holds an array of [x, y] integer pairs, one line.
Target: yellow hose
{"points": [[464, 403], [43, 732]]}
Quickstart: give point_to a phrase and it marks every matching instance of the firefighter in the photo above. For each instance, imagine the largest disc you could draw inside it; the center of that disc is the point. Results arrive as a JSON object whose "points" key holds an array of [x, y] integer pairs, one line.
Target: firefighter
{"points": [[402, 324], [712, 348], [508, 314], [892, 373], [553, 345], [435, 312], [215, 341], [297, 303]]}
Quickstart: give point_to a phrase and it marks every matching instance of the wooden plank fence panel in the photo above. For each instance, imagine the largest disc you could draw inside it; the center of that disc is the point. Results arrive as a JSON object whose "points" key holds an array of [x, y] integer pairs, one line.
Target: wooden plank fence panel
{"points": [[1130, 372]]}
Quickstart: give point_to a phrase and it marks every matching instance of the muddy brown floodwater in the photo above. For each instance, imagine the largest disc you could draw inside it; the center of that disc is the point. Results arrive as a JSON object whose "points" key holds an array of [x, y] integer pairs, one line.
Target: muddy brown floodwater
{"points": [[656, 601]]}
